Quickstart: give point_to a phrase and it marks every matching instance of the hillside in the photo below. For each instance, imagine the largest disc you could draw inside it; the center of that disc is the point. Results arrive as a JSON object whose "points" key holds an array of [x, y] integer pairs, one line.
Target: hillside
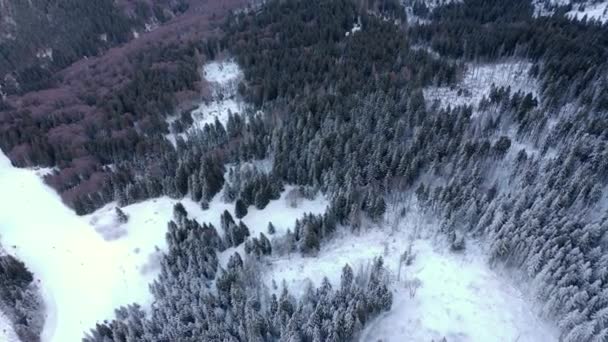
{"points": [[318, 170]]}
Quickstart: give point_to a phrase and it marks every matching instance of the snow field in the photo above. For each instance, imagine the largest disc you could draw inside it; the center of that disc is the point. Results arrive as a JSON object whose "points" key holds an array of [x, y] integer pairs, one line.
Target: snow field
{"points": [[594, 10], [478, 81], [441, 294]]}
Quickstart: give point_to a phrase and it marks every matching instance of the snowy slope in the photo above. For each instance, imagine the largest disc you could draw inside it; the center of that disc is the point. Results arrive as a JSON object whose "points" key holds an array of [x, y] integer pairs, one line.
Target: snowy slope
{"points": [[148, 220], [459, 297], [223, 78], [82, 277], [7, 334], [88, 266], [598, 11]]}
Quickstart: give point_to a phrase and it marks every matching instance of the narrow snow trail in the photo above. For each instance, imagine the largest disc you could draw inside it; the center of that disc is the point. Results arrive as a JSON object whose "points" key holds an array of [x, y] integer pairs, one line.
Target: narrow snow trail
{"points": [[82, 277], [459, 296]]}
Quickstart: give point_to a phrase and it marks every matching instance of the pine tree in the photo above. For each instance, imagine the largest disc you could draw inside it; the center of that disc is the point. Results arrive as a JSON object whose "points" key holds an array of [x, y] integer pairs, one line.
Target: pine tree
{"points": [[122, 217], [271, 228], [240, 210]]}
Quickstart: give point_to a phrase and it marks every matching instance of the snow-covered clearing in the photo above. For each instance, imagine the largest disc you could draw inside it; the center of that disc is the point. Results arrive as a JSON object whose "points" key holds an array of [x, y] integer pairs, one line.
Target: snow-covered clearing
{"points": [[7, 334], [88, 266], [593, 10], [458, 297], [547, 7], [223, 78], [478, 81]]}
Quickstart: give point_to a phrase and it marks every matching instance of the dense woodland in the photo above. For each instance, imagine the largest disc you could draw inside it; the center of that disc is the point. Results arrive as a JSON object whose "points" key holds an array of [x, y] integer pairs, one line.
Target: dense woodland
{"points": [[345, 115]]}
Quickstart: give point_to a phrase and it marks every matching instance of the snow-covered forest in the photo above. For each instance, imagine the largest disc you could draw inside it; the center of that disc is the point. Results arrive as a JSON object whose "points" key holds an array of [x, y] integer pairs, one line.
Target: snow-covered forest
{"points": [[347, 171]]}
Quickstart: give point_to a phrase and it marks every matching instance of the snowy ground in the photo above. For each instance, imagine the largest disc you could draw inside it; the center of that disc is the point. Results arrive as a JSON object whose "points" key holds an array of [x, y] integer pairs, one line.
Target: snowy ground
{"points": [[459, 297], [478, 80], [7, 334], [88, 266], [430, 4], [223, 78]]}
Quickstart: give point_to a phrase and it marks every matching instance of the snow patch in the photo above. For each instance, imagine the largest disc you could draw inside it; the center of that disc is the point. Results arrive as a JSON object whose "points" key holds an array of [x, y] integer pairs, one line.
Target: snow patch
{"points": [[459, 298], [84, 275], [7, 334], [441, 294], [356, 28], [224, 78], [45, 54], [598, 11], [431, 6], [222, 72], [593, 10], [478, 81]]}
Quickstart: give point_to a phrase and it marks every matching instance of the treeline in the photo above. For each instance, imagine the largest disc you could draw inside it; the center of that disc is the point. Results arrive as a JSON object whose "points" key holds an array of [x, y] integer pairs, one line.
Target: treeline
{"points": [[19, 298], [196, 299]]}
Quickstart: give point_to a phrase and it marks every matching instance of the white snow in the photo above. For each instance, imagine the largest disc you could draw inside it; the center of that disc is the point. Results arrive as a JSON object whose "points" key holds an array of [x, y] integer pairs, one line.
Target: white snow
{"points": [[148, 220], [7, 334], [430, 4], [223, 78], [222, 72], [478, 80], [459, 297], [88, 266], [45, 53], [546, 7], [356, 28], [597, 12]]}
